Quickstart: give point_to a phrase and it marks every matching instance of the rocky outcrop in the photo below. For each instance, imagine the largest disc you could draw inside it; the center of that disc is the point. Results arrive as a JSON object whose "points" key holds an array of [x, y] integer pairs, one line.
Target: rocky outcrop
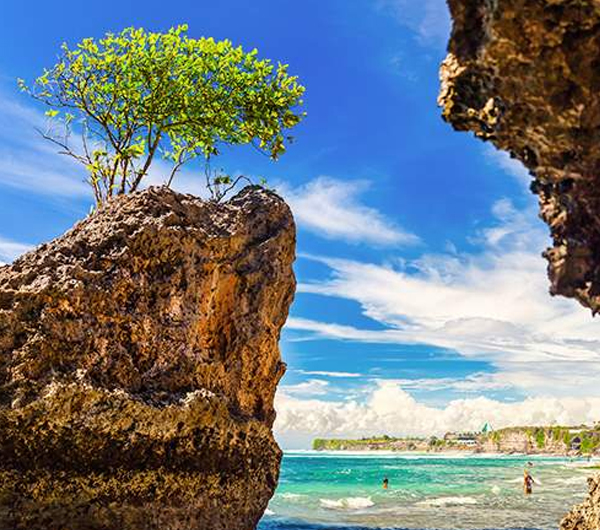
{"points": [[585, 516], [138, 364], [525, 75]]}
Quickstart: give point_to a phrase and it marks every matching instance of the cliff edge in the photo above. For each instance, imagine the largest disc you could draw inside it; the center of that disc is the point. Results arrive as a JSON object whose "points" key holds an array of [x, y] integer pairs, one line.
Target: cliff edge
{"points": [[585, 516], [138, 364], [525, 75]]}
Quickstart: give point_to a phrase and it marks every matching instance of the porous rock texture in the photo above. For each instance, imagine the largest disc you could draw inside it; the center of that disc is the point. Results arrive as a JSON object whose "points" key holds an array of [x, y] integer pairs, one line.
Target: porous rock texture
{"points": [[525, 75], [138, 364], [585, 516]]}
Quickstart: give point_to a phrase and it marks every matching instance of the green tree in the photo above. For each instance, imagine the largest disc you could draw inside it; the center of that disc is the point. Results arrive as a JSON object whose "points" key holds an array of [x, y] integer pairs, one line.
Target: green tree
{"points": [[137, 95], [540, 438]]}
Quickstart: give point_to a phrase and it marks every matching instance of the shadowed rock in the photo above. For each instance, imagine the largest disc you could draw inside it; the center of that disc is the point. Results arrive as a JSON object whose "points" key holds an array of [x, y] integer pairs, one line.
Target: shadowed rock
{"points": [[525, 75], [585, 516], [138, 364]]}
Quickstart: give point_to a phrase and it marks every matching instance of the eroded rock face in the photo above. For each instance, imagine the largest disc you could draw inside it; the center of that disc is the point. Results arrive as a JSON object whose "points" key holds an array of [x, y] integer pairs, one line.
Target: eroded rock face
{"points": [[525, 75], [138, 364], [585, 516]]}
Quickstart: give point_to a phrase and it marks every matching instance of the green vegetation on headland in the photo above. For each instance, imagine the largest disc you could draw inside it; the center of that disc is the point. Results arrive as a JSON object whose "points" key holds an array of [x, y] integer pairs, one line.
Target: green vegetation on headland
{"points": [[557, 440], [377, 442]]}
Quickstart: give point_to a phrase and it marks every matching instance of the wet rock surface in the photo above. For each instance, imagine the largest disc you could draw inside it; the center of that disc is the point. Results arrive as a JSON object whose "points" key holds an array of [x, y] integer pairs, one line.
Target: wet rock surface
{"points": [[138, 364], [525, 75]]}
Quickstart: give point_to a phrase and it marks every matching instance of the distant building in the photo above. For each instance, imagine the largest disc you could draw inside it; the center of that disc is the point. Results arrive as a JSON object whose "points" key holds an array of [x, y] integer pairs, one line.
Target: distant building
{"points": [[466, 439], [461, 438]]}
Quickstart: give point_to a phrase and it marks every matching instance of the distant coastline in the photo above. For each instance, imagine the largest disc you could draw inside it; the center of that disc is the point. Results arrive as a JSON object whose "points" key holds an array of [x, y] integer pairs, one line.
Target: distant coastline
{"points": [[552, 441]]}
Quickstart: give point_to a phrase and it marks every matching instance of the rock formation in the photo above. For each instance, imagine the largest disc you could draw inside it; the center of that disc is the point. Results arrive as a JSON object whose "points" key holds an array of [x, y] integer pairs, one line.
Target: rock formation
{"points": [[585, 516], [138, 364], [525, 75]]}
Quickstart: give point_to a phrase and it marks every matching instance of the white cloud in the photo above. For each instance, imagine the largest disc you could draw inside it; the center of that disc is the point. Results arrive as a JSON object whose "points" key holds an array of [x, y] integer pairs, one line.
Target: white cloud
{"points": [[28, 162], [510, 166], [312, 387], [187, 180], [329, 374], [9, 250], [472, 383], [391, 410], [492, 306], [331, 208], [428, 19]]}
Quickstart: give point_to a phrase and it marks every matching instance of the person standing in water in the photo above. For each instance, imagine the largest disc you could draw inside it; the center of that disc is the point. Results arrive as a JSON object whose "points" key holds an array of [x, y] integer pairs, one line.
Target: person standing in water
{"points": [[527, 482], [385, 483]]}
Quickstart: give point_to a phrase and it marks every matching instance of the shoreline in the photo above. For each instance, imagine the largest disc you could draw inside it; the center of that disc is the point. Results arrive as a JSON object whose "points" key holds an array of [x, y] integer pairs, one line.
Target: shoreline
{"points": [[594, 459]]}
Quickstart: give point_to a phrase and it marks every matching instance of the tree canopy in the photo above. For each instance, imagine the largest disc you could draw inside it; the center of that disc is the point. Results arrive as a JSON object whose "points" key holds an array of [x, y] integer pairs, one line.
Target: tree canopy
{"points": [[136, 95]]}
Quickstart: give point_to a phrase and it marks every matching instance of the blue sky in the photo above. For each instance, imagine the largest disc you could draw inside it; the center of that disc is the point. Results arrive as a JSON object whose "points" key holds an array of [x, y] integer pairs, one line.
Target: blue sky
{"points": [[422, 301]]}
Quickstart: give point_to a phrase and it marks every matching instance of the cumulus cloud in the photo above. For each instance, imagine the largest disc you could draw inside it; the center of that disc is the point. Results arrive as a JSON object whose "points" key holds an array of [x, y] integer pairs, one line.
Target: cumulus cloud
{"points": [[332, 208], [492, 305], [391, 410]]}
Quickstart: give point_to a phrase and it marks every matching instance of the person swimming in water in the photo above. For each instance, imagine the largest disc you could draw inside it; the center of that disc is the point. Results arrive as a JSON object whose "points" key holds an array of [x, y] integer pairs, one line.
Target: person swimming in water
{"points": [[385, 483], [527, 482]]}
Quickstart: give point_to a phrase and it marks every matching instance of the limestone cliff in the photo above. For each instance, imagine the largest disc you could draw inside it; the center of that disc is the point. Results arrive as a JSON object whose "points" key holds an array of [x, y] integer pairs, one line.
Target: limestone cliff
{"points": [[525, 75], [555, 440], [138, 364], [585, 516]]}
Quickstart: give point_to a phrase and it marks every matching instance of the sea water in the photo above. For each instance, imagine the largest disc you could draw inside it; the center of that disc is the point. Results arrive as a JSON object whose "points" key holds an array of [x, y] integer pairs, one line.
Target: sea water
{"points": [[326, 491]]}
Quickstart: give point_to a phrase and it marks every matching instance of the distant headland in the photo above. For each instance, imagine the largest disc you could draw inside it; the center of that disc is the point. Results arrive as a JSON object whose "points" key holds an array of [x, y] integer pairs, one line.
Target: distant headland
{"points": [[553, 440]]}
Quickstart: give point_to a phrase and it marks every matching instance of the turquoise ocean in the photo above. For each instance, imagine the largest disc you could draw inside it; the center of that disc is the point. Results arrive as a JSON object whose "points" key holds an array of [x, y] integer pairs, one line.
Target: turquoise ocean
{"points": [[327, 491]]}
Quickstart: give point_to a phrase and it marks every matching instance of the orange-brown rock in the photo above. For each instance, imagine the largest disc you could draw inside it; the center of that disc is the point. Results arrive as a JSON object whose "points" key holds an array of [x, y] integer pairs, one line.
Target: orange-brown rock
{"points": [[585, 516], [525, 75], [138, 364]]}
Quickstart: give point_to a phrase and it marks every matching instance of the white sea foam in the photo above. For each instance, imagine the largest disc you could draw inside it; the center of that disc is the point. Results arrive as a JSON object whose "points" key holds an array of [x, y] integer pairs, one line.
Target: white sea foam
{"points": [[292, 496], [517, 480], [347, 503], [269, 512], [581, 479], [448, 501], [494, 498]]}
